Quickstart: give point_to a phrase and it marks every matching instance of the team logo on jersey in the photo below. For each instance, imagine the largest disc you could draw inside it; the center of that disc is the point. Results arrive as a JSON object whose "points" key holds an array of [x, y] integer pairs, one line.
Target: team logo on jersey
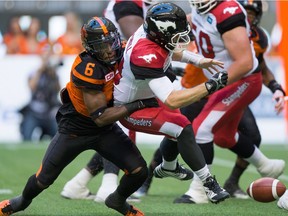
{"points": [[148, 58], [163, 26], [230, 10], [109, 76], [209, 20]]}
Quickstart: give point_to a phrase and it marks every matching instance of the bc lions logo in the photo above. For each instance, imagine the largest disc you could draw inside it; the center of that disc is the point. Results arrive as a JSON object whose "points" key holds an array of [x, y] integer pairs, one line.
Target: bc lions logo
{"points": [[230, 10], [163, 26], [148, 58]]}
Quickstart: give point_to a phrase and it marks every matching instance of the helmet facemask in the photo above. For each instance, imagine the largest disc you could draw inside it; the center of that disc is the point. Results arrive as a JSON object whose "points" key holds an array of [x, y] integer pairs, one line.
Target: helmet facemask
{"points": [[203, 6], [107, 48], [179, 41]]}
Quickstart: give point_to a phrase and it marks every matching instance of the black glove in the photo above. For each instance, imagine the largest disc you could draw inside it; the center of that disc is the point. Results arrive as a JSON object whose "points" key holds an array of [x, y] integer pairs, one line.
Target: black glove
{"points": [[217, 81], [141, 104]]}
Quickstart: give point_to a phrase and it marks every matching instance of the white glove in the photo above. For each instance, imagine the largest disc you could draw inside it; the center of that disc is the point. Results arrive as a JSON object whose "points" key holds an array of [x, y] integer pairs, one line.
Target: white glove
{"points": [[278, 96]]}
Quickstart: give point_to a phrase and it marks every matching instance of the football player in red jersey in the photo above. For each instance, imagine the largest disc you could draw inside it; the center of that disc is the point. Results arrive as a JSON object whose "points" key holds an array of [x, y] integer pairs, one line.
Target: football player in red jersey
{"points": [[208, 10], [248, 124], [86, 120], [146, 73]]}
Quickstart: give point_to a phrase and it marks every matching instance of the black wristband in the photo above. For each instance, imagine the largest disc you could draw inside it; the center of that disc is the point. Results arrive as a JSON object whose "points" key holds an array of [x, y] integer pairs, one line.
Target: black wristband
{"points": [[94, 115], [273, 86]]}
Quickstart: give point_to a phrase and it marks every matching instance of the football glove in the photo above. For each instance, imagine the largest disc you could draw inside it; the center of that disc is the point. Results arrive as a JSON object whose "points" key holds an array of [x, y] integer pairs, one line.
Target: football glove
{"points": [[141, 104], [217, 81]]}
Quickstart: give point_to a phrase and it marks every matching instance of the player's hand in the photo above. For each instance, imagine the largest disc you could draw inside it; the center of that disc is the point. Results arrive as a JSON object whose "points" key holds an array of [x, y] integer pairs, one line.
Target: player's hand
{"points": [[217, 81], [278, 96], [145, 103], [141, 104], [211, 65]]}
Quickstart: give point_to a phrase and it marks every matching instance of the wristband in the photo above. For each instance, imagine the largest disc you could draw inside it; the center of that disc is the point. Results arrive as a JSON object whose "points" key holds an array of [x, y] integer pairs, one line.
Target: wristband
{"points": [[96, 114], [191, 58], [273, 86]]}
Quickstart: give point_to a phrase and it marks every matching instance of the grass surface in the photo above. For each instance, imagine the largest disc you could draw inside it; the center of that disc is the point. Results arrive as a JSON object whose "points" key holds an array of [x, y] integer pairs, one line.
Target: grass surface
{"points": [[19, 161]]}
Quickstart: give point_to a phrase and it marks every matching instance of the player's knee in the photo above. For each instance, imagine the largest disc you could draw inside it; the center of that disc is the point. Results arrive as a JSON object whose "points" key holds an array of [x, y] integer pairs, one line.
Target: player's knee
{"points": [[140, 173]]}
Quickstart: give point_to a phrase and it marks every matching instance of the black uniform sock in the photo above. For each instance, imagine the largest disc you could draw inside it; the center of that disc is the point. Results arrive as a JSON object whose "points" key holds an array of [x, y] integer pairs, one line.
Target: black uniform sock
{"points": [[190, 150], [131, 182], [169, 149]]}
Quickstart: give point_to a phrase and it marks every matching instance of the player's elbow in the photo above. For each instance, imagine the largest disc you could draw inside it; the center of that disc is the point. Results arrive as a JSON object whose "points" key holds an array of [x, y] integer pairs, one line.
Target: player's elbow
{"points": [[171, 103]]}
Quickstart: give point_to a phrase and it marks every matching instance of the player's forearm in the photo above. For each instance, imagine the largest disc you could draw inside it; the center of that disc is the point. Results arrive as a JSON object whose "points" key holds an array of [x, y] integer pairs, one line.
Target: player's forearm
{"points": [[181, 98], [111, 115]]}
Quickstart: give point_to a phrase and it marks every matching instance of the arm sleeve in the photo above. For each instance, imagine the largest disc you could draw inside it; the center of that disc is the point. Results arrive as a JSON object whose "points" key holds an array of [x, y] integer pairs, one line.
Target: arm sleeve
{"points": [[161, 87]]}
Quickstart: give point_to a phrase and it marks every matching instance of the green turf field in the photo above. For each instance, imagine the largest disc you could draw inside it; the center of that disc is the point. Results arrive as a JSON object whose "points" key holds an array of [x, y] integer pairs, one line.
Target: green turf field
{"points": [[19, 161]]}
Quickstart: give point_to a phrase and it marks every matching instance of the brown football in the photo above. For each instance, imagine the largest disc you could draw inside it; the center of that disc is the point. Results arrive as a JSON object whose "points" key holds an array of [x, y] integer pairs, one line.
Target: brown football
{"points": [[266, 189]]}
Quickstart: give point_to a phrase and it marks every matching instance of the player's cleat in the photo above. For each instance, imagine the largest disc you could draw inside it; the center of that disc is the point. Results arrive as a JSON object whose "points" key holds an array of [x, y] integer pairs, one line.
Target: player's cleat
{"points": [[195, 194], [180, 172], [235, 191], [283, 201], [274, 168], [5, 208], [114, 201], [184, 199], [134, 212], [213, 190], [142, 191], [74, 190]]}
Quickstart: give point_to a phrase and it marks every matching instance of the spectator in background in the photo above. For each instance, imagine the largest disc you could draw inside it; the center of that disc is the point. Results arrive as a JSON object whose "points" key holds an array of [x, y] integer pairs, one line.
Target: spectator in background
{"points": [[40, 111], [69, 43], [14, 37], [35, 42], [18, 41]]}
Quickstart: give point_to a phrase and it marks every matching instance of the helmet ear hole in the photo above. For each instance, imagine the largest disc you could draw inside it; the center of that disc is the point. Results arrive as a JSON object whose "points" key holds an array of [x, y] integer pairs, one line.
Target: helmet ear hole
{"points": [[100, 36], [164, 22]]}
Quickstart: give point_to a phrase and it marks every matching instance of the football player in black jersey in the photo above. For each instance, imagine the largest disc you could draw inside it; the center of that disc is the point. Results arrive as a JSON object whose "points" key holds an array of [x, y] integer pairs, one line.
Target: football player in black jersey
{"points": [[86, 120]]}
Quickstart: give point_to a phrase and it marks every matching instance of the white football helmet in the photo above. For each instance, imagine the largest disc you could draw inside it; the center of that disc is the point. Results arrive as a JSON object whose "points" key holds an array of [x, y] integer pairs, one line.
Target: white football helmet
{"points": [[203, 6]]}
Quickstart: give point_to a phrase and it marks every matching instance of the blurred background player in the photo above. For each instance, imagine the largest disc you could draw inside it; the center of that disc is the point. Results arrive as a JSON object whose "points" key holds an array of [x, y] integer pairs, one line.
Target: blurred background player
{"points": [[247, 125]]}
